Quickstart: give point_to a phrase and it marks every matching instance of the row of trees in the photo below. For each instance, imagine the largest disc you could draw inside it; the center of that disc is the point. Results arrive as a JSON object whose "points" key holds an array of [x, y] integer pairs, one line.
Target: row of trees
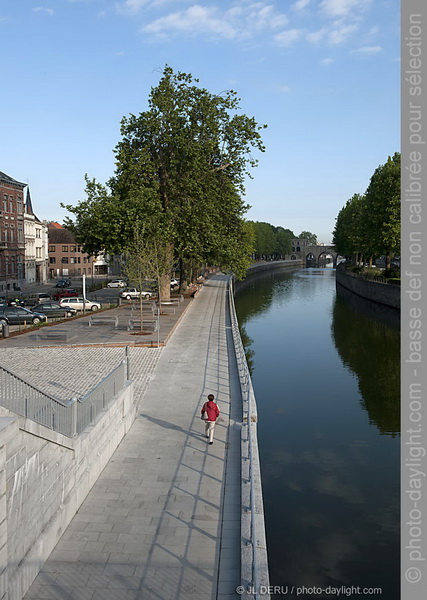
{"points": [[368, 226], [176, 194], [275, 242]]}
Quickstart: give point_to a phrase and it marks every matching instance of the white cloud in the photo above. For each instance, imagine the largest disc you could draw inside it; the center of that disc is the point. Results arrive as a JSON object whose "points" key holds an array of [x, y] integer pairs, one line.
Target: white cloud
{"points": [[196, 19], [315, 37], [342, 8], [288, 37], [43, 9], [300, 4], [241, 20], [340, 32], [133, 6], [284, 89], [326, 61], [368, 50]]}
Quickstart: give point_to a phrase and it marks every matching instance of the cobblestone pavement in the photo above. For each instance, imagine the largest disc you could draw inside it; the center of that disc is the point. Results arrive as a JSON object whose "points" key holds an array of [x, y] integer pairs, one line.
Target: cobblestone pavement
{"points": [[67, 372]]}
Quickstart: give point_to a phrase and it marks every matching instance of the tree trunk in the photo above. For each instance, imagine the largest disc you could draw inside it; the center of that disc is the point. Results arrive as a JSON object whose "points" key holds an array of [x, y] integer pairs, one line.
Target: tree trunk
{"points": [[164, 288], [140, 314]]}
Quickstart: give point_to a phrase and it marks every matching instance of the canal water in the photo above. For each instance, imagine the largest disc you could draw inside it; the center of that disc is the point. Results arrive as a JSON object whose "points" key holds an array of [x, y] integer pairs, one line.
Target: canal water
{"points": [[325, 369]]}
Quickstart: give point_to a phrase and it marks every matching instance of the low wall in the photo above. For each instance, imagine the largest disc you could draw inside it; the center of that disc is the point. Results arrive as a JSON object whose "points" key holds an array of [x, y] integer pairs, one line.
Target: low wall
{"points": [[272, 265], [254, 561], [44, 478], [382, 293]]}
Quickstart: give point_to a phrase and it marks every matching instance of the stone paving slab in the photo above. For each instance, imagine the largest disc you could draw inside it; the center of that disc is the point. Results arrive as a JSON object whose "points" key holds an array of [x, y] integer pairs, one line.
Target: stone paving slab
{"points": [[153, 525]]}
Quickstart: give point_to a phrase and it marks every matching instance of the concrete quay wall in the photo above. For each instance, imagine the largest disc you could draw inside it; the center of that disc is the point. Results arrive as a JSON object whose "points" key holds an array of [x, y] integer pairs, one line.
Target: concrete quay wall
{"points": [[254, 559], [44, 478], [382, 293], [257, 268]]}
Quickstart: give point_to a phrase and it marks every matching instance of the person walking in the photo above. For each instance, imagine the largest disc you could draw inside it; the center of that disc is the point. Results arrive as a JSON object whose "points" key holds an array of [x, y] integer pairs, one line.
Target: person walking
{"points": [[212, 413]]}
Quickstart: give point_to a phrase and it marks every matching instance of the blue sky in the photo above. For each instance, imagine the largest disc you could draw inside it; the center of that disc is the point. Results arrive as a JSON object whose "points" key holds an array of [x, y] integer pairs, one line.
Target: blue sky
{"points": [[322, 74]]}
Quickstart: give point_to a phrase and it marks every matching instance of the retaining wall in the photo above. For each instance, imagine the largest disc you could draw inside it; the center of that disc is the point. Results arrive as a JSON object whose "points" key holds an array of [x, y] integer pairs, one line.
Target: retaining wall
{"points": [[382, 293], [254, 561], [272, 265], [44, 478]]}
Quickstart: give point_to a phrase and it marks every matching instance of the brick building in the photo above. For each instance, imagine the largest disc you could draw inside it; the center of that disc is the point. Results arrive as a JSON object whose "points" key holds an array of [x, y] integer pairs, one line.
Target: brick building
{"points": [[66, 258], [12, 242]]}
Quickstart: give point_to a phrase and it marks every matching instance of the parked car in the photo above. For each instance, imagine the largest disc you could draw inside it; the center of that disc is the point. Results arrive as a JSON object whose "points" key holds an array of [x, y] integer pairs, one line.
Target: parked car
{"points": [[63, 283], [34, 299], [53, 309], [65, 294], [174, 284], [17, 315], [132, 293], [117, 283], [79, 302]]}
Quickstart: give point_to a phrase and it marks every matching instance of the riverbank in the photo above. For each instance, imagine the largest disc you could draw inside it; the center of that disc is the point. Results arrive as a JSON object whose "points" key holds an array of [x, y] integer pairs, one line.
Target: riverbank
{"points": [[381, 293]]}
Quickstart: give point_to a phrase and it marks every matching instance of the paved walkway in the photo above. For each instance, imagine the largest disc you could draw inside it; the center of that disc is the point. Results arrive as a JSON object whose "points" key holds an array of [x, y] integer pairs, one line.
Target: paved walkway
{"points": [[77, 331], [163, 520]]}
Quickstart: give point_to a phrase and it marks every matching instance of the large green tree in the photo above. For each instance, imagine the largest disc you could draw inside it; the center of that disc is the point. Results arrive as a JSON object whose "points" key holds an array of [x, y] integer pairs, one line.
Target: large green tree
{"points": [[369, 225], [180, 170], [310, 237], [383, 205]]}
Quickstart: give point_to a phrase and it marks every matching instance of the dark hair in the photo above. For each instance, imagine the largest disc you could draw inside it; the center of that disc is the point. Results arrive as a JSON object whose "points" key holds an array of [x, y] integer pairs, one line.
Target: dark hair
{"points": [[211, 397]]}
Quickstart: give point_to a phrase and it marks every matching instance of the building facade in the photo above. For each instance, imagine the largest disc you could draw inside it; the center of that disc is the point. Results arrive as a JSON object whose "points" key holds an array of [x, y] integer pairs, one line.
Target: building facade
{"points": [[12, 241], [66, 258], [36, 251]]}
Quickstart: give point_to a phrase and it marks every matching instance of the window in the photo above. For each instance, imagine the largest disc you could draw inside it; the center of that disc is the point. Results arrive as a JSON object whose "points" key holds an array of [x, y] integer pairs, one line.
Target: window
{"points": [[64, 260], [73, 248], [73, 260], [52, 248], [65, 249], [38, 233], [52, 260]]}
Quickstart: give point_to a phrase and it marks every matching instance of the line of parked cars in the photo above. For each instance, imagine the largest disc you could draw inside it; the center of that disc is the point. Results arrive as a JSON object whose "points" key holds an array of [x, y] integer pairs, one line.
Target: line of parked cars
{"points": [[38, 307]]}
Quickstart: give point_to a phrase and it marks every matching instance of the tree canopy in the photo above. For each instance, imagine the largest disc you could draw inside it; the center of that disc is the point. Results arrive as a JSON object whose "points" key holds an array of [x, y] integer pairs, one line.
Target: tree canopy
{"points": [[310, 237], [271, 241], [369, 224], [180, 172]]}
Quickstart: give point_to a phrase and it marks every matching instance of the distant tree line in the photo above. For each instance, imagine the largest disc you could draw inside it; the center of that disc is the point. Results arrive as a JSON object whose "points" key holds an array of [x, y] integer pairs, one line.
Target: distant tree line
{"points": [[273, 243], [368, 226]]}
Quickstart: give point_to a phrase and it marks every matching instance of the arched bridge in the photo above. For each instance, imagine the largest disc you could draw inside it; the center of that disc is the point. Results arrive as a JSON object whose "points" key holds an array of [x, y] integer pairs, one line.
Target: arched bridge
{"points": [[313, 254]]}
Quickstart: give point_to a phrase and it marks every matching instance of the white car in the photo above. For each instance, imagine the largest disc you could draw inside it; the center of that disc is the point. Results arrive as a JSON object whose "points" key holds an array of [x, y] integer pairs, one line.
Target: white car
{"points": [[174, 283], [132, 293], [116, 283], [79, 303]]}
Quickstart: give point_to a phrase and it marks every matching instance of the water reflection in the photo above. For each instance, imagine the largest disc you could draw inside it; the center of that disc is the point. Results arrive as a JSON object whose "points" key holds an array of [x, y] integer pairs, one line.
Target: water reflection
{"points": [[357, 325], [330, 479]]}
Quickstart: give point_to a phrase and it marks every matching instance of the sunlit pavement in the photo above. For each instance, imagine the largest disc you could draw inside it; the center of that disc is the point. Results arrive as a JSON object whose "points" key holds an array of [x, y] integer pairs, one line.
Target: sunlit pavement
{"points": [[163, 519]]}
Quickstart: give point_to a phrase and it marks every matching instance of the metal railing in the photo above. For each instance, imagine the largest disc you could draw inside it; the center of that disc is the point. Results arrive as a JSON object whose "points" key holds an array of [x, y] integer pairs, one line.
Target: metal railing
{"points": [[69, 417], [259, 563]]}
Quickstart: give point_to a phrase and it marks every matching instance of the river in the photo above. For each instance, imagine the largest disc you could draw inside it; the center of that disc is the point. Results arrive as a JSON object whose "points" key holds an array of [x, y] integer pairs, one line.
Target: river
{"points": [[326, 375]]}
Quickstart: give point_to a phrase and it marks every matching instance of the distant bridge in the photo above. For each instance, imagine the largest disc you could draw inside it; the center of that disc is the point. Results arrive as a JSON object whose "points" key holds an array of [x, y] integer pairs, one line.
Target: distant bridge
{"points": [[312, 254]]}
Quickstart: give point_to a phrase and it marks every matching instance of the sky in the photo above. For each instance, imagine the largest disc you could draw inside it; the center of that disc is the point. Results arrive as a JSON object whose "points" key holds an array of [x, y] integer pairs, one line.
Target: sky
{"points": [[323, 75]]}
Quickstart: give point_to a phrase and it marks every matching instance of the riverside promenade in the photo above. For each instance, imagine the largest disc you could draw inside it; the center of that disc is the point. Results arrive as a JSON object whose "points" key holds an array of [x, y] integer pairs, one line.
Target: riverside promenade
{"points": [[163, 520]]}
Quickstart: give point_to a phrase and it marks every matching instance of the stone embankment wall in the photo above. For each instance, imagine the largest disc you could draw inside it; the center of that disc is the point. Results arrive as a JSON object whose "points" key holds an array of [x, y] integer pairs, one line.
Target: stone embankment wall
{"points": [[272, 265], [382, 293], [44, 478]]}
